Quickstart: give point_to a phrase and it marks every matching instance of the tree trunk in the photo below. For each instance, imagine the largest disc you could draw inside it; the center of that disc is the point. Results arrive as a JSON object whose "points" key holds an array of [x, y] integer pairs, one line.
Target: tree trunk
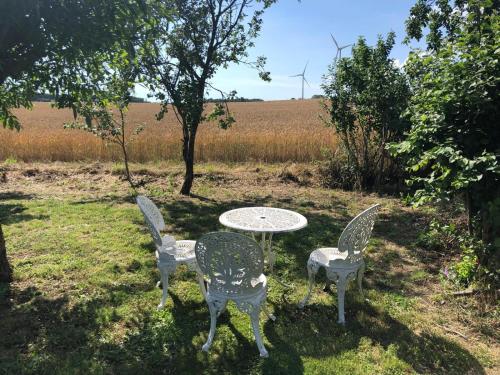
{"points": [[127, 170], [123, 145], [188, 155], [468, 210], [487, 227], [5, 269]]}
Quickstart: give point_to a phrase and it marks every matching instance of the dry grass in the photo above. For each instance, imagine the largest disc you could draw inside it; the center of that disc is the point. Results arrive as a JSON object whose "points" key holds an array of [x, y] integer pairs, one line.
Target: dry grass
{"points": [[274, 131]]}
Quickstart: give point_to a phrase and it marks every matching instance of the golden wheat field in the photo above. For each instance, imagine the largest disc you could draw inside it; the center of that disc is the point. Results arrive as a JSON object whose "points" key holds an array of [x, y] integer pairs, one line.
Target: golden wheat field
{"points": [[273, 131]]}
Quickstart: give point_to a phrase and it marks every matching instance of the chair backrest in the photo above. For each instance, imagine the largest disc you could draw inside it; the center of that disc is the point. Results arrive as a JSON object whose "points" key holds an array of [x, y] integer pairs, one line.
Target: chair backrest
{"points": [[149, 210], [356, 234], [153, 218], [231, 261]]}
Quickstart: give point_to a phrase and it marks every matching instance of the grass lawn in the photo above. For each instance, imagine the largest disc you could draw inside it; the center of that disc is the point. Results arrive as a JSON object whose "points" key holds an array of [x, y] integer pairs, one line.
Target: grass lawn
{"points": [[84, 297]]}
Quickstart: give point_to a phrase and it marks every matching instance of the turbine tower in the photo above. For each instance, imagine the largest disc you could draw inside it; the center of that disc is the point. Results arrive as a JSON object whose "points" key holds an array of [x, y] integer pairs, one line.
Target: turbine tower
{"points": [[303, 75], [339, 49]]}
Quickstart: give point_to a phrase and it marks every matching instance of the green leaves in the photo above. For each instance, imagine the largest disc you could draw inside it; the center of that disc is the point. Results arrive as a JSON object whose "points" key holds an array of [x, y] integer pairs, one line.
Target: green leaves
{"points": [[454, 112], [222, 115], [14, 95], [68, 48], [453, 146], [366, 95]]}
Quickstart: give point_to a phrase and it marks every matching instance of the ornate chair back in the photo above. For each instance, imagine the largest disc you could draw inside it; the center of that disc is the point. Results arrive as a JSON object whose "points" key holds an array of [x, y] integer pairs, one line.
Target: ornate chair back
{"points": [[232, 262], [151, 212], [356, 234], [154, 221]]}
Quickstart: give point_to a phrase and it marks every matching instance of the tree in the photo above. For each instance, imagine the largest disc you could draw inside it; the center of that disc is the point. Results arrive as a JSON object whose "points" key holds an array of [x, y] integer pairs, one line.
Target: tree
{"points": [[366, 95], [105, 114], [453, 146], [62, 47], [192, 41]]}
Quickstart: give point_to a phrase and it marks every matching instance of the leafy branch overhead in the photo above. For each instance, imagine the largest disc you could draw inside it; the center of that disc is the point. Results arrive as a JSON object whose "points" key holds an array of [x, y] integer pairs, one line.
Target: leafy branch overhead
{"points": [[62, 47]]}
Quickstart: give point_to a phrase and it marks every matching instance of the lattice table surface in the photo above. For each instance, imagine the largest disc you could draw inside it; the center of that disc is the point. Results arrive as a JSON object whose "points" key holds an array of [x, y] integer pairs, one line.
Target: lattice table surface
{"points": [[263, 219]]}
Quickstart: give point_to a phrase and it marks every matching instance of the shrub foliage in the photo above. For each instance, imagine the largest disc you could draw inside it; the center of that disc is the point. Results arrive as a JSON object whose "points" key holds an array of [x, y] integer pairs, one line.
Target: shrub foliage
{"points": [[366, 94], [453, 146]]}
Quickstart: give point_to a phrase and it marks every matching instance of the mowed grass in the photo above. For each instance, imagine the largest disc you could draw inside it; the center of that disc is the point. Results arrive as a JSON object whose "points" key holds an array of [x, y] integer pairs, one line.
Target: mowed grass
{"points": [[272, 131], [84, 296]]}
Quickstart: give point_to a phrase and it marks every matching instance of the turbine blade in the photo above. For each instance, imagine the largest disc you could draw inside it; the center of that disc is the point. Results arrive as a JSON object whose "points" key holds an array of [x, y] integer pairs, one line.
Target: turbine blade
{"points": [[307, 82], [305, 67], [347, 45], [334, 40], [297, 75]]}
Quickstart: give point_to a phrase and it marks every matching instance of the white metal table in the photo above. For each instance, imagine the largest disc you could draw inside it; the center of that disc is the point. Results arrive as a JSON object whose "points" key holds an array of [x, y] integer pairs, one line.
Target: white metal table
{"points": [[264, 220]]}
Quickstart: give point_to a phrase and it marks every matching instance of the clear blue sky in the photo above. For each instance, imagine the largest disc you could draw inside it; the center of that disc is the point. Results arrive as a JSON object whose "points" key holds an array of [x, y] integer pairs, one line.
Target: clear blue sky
{"points": [[294, 33]]}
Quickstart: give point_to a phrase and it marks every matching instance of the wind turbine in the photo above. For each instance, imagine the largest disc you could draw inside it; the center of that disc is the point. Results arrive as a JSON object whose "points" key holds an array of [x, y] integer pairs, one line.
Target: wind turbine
{"points": [[339, 49], [303, 75]]}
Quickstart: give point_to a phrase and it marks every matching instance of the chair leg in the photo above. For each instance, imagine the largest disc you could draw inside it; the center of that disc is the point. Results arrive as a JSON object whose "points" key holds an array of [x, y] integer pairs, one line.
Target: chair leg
{"points": [[164, 281], [311, 270], [201, 281], [213, 322], [327, 285], [254, 317], [266, 311], [222, 309], [359, 276], [341, 285]]}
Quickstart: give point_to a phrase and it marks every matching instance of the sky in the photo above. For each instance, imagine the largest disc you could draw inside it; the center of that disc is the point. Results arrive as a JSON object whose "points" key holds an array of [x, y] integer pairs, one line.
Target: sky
{"points": [[295, 33]]}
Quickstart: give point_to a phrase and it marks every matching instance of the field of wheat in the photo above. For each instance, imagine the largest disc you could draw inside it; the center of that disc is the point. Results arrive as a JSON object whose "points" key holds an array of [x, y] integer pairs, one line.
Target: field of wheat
{"points": [[274, 131]]}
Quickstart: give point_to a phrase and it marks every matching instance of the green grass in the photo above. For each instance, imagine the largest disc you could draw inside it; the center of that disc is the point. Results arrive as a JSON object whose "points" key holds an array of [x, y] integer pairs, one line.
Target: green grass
{"points": [[10, 160], [84, 297]]}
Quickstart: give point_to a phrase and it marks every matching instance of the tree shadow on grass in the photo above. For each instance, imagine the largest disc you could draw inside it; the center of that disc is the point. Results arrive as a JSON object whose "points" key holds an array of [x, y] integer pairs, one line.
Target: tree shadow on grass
{"points": [[37, 333], [42, 335], [190, 219], [196, 218], [313, 332], [403, 227], [237, 355], [170, 341], [110, 200], [15, 195], [13, 213]]}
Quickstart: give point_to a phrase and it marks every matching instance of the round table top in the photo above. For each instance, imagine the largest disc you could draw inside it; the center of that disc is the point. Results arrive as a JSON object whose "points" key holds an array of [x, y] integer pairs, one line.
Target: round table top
{"points": [[263, 219]]}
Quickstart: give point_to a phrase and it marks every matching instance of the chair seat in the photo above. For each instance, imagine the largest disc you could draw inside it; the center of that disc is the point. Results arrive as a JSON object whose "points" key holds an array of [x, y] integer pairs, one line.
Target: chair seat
{"points": [[184, 251], [258, 287], [328, 256]]}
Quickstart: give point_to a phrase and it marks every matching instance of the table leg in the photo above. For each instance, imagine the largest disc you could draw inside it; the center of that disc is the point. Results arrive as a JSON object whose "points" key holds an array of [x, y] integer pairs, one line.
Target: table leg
{"points": [[270, 253], [267, 247]]}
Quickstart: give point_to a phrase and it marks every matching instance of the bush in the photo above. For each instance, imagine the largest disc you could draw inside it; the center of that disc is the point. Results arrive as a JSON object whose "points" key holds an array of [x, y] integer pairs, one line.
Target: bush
{"points": [[365, 96], [297, 173], [452, 148], [464, 271], [453, 239], [336, 172]]}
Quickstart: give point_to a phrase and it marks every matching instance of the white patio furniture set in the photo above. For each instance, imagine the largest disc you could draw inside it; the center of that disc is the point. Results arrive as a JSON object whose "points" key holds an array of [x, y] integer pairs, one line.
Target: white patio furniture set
{"points": [[230, 266]]}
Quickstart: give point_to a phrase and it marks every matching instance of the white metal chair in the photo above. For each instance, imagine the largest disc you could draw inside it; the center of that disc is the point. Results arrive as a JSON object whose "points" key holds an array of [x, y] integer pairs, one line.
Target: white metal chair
{"points": [[232, 264], [169, 252], [346, 262]]}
